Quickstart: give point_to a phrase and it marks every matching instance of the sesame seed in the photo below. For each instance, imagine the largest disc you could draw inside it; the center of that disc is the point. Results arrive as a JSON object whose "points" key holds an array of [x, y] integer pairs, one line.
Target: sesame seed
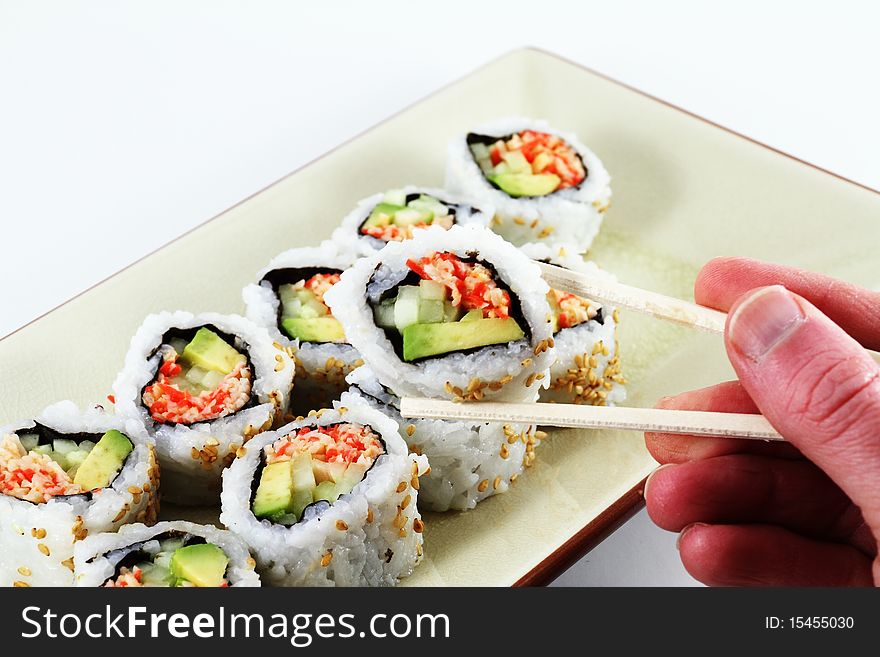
{"points": [[20, 585], [134, 490], [369, 515], [505, 452], [410, 429], [406, 501], [496, 483], [401, 487], [68, 563], [39, 532], [418, 525], [399, 520], [414, 482], [519, 221], [483, 485], [42, 547], [24, 570], [326, 559], [341, 526]]}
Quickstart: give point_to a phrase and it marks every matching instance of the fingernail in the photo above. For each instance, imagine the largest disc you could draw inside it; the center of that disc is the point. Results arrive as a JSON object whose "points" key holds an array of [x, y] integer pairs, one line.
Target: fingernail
{"points": [[685, 531], [763, 321], [651, 476]]}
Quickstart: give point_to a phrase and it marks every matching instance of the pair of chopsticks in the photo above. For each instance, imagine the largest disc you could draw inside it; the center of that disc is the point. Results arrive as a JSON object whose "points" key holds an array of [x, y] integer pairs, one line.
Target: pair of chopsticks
{"points": [[693, 423]]}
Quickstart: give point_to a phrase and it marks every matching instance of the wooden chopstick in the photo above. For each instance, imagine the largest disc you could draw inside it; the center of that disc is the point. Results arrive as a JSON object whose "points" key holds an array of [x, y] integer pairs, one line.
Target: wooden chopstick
{"points": [[639, 300], [693, 423]]}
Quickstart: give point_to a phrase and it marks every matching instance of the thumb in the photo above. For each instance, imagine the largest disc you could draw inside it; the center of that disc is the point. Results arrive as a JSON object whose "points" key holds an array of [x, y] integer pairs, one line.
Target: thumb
{"points": [[815, 384]]}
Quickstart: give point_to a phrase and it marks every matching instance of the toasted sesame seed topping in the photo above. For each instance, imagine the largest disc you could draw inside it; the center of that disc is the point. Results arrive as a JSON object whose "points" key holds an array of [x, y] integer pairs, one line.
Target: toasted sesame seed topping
{"points": [[341, 525], [42, 547], [483, 485], [410, 429], [418, 525], [326, 559]]}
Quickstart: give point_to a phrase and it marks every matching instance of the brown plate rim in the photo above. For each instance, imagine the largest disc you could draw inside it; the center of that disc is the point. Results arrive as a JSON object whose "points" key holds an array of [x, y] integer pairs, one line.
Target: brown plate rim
{"points": [[630, 502]]}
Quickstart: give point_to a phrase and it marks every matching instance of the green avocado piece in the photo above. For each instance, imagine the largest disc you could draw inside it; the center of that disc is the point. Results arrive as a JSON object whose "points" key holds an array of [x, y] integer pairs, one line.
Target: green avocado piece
{"points": [[382, 215], [209, 351], [421, 340], [316, 329], [203, 564], [526, 184], [104, 461], [274, 495]]}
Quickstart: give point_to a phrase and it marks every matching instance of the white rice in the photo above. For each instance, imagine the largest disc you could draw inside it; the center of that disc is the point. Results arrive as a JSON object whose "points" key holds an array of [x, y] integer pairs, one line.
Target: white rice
{"points": [[587, 368], [469, 461], [321, 368], [515, 362], [96, 557], [571, 215], [193, 456], [370, 537], [348, 235], [37, 540]]}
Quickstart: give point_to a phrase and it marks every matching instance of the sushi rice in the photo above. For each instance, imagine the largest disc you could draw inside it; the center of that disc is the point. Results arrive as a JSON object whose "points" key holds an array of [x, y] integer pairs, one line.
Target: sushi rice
{"points": [[37, 540], [469, 461], [321, 367], [571, 215], [97, 558], [587, 369], [371, 536], [193, 455]]}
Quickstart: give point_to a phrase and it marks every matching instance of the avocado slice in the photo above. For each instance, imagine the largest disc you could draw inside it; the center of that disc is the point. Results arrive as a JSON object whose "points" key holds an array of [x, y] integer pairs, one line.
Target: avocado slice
{"points": [[274, 495], [382, 215], [209, 351], [316, 329], [203, 564], [421, 340], [526, 184], [104, 461]]}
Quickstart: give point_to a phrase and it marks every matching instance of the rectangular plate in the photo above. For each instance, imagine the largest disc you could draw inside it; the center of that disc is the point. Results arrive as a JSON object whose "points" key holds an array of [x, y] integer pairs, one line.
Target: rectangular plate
{"points": [[684, 191]]}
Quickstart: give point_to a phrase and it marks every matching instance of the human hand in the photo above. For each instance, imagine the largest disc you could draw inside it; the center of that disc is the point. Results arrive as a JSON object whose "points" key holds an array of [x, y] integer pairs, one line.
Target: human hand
{"points": [[805, 513]]}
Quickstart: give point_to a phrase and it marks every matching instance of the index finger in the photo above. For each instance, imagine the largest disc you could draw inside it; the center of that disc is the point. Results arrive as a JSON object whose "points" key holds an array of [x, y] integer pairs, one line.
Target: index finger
{"points": [[855, 309]]}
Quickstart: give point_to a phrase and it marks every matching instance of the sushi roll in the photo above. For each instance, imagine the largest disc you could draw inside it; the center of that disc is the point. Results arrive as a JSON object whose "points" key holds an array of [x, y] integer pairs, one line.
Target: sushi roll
{"points": [[469, 461], [64, 476], [203, 385], [169, 554], [587, 369], [288, 301], [395, 215], [328, 500], [545, 185], [457, 314]]}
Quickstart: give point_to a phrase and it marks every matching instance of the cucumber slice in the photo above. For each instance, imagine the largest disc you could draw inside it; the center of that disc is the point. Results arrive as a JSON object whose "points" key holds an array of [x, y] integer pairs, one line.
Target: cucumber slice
{"points": [[63, 446], [480, 151], [177, 344], [287, 293], [412, 216], [430, 204], [430, 311], [383, 314], [406, 308], [395, 197], [212, 380], [75, 459], [196, 374], [87, 445], [517, 162], [501, 168], [326, 490], [432, 290], [45, 450], [451, 313], [29, 441], [472, 315]]}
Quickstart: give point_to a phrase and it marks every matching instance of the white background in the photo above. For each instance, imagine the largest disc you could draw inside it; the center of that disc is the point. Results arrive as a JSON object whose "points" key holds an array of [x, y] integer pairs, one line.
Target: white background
{"points": [[123, 124]]}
